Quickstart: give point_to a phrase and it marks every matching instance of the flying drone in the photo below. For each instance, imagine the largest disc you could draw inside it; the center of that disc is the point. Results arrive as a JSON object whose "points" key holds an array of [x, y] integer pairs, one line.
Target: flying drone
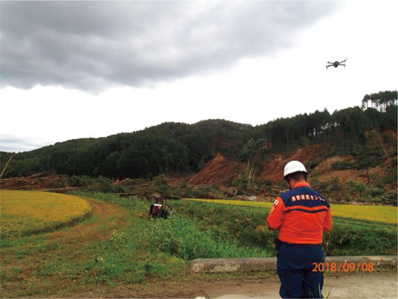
{"points": [[336, 63]]}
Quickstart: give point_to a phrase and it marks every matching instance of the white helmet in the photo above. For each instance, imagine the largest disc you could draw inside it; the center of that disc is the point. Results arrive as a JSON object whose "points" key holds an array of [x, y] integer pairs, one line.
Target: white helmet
{"points": [[292, 167]]}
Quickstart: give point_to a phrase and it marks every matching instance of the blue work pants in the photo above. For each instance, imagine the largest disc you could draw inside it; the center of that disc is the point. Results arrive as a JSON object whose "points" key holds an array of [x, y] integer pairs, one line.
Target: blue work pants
{"points": [[295, 264]]}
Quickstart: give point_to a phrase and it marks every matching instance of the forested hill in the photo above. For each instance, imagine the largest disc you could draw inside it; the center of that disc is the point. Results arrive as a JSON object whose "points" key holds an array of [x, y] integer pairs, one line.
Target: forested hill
{"points": [[179, 149]]}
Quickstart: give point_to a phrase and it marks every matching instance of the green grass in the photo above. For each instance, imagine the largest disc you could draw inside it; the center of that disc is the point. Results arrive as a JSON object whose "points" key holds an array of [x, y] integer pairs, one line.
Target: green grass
{"points": [[258, 204], [247, 225], [135, 250], [130, 248], [383, 214]]}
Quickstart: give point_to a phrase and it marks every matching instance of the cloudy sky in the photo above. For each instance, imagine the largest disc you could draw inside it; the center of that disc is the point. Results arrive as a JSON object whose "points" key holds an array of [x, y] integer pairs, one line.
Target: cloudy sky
{"points": [[92, 69]]}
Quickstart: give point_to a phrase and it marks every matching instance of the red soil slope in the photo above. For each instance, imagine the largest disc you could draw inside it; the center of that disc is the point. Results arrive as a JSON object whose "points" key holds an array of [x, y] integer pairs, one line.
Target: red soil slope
{"points": [[273, 170], [218, 170]]}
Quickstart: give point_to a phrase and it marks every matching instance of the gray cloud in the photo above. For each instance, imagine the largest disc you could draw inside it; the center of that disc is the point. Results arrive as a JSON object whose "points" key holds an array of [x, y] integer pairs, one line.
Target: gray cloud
{"points": [[94, 45], [9, 143]]}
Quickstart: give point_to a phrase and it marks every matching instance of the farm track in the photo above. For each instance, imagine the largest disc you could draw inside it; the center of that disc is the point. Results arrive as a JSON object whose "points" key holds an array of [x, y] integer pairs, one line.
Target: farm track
{"points": [[377, 285], [101, 210]]}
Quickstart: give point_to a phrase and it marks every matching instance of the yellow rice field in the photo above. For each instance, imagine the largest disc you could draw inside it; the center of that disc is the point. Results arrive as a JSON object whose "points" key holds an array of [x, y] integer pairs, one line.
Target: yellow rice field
{"points": [[386, 214], [26, 212]]}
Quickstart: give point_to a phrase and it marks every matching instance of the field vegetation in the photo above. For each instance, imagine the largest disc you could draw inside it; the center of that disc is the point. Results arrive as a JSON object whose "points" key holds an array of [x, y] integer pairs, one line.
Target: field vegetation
{"points": [[383, 214], [121, 245], [247, 226], [27, 212]]}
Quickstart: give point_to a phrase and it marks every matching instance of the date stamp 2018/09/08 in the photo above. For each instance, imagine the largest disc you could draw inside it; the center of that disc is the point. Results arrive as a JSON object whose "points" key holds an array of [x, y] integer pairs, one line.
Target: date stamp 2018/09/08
{"points": [[345, 267]]}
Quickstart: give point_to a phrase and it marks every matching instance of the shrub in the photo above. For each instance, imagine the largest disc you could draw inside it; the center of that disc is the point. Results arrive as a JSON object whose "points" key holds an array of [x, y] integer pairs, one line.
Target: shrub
{"points": [[304, 141], [357, 188]]}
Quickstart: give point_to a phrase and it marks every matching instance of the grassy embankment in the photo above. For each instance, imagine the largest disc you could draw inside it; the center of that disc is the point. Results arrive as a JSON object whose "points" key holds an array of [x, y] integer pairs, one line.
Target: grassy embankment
{"points": [[127, 247]]}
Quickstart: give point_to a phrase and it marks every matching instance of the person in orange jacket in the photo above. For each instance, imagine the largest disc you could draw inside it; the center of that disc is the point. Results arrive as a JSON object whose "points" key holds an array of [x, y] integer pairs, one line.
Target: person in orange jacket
{"points": [[301, 215]]}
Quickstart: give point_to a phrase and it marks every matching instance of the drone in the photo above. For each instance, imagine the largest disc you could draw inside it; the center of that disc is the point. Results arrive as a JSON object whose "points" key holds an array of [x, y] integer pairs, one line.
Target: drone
{"points": [[336, 63]]}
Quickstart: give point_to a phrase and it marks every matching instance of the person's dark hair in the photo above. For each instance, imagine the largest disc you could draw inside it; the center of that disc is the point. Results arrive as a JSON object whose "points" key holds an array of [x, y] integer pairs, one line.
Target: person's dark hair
{"points": [[297, 176]]}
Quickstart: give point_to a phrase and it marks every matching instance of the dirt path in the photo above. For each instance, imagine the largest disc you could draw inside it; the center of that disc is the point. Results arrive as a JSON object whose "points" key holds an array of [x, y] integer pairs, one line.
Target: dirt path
{"points": [[377, 285], [349, 286], [100, 210]]}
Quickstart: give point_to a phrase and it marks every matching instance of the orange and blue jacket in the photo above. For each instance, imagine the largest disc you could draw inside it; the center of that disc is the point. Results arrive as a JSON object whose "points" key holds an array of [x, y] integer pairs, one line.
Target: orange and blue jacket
{"points": [[301, 215]]}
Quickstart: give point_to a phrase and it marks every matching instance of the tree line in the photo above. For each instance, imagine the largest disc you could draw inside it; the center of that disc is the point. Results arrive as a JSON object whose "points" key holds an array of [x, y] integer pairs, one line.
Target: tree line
{"points": [[380, 100], [178, 148]]}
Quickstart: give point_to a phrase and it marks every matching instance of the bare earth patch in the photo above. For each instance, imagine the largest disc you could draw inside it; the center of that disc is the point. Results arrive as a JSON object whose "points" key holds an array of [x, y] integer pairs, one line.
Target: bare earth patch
{"points": [[377, 285]]}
